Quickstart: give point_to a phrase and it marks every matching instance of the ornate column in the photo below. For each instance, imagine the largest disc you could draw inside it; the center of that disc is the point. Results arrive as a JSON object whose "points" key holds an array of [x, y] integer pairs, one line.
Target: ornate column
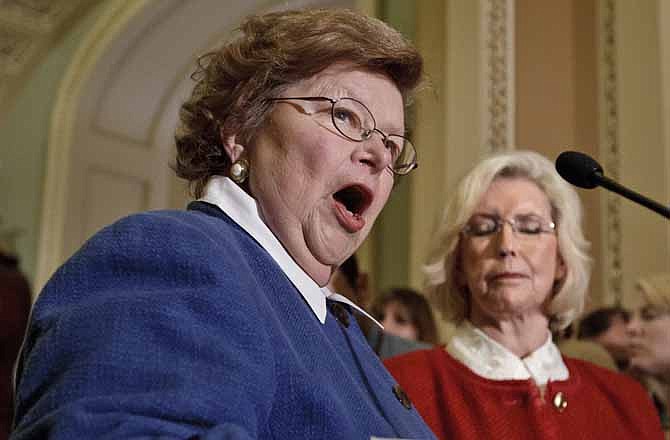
{"points": [[498, 74]]}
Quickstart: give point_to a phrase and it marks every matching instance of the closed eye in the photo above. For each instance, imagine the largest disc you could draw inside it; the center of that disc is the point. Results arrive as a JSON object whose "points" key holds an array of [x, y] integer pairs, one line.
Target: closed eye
{"points": [[529, 224]]}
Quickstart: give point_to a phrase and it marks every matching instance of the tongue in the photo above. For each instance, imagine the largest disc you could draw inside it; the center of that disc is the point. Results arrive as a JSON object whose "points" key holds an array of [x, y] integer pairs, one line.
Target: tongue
{"points": [[347, 219]]}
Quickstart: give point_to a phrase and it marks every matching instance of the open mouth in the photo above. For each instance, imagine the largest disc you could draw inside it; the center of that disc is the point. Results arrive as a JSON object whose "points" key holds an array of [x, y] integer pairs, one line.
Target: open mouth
{"points": [[350, 203], [355, 198]]}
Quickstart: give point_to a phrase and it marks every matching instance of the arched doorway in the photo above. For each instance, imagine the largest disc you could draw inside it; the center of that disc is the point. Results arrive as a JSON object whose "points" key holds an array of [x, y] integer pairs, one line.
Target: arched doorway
{"points": [[111, 135]]}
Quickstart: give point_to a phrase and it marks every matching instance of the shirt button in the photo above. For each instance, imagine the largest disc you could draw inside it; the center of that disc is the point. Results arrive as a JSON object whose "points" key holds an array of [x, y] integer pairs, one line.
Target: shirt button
{"points": [[402, 396], [560, 402]]}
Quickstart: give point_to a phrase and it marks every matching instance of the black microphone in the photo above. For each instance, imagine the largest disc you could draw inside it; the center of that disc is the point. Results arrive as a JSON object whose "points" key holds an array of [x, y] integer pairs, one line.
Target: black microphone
{"points": [[583, 171]]}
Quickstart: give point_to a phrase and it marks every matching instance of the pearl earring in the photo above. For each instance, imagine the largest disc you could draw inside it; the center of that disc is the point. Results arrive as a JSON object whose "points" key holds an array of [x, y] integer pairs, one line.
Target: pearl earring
{"points": [[239, 171]]}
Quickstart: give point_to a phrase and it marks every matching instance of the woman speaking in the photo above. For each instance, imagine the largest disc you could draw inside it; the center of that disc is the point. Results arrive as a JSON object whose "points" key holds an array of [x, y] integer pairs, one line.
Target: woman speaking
{"points": [[211, 323]]}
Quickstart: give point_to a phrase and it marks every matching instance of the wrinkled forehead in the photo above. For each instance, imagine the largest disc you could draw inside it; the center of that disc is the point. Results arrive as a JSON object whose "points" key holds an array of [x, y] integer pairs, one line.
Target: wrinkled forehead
{"points": [[520, 194], [375, 90]]}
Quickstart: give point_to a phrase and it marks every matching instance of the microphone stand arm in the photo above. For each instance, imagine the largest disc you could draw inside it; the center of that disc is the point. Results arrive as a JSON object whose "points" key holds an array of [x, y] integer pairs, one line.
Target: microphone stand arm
{"points": [[631, 195]]}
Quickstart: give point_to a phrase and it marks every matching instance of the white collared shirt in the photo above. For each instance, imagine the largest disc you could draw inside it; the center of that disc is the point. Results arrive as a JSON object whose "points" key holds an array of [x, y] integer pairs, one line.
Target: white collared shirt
{"points": [[242, 208], [489, 359]]}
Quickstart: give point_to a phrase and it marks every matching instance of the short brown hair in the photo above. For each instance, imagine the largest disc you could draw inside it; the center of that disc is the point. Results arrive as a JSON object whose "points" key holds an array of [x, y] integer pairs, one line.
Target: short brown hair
{"points": [[270, 53], [418, 307]]}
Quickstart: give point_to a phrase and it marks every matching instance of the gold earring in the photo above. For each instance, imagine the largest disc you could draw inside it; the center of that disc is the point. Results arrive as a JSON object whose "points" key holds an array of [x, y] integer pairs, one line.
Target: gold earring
{"points": [[239, 171]]}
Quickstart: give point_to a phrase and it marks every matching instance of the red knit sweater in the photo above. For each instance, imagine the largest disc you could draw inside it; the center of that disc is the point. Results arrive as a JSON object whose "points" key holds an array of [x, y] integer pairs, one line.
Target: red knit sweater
{"points": [[458, 404]]}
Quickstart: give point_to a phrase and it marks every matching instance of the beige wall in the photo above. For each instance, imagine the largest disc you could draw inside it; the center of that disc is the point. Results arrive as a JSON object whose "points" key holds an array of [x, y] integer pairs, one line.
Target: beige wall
{"points": [[448, 132], [557, 92], [24, 132], [643, 151]]}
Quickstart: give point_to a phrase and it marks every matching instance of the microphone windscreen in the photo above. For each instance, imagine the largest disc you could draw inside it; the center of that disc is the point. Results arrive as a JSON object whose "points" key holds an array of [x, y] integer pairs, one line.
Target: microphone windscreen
{"points": [[579, 169]]}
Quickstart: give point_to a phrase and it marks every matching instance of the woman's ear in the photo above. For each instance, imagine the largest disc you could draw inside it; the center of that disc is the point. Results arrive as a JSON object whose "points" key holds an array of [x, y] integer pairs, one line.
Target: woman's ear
{"points": [[233, 149]]}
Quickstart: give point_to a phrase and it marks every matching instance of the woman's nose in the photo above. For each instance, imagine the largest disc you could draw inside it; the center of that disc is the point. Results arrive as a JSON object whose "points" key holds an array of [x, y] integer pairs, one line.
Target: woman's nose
{"points": [[373, 152], [508, 243], [634, 326]]}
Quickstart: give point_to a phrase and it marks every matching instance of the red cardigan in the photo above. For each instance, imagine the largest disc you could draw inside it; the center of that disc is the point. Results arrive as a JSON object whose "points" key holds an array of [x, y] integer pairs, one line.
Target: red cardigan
{"points": [[594, 403]]}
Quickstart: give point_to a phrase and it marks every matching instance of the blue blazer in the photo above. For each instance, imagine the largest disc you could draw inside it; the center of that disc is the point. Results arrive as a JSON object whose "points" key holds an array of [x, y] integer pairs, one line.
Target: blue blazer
{"points": [[176, 325]]}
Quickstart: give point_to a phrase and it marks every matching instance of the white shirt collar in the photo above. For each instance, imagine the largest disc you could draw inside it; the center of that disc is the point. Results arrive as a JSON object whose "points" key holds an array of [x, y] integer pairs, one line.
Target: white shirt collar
{"points": [[242, 208], [491, 360]]}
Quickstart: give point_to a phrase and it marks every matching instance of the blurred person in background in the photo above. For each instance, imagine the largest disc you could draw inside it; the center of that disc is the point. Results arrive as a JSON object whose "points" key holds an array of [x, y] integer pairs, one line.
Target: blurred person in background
{"points": [[215, 322], [349, 281], [14, 310], [649, 328], [649, 331], [406, 313], [511, 265], [607, 326], [590, 351]]}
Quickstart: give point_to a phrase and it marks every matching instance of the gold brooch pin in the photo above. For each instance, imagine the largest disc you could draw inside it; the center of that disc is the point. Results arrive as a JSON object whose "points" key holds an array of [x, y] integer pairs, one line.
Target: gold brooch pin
{"points": [[560, 402]]}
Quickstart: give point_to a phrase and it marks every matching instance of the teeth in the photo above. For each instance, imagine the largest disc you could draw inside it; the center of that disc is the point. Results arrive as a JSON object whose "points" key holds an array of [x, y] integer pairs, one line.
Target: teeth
{"points": [[353, 214]]}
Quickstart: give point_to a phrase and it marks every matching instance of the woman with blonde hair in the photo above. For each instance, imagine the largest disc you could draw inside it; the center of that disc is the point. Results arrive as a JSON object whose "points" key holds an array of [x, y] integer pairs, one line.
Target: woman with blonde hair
{"points": [[510, 265], [649, 333], [649, 328]]}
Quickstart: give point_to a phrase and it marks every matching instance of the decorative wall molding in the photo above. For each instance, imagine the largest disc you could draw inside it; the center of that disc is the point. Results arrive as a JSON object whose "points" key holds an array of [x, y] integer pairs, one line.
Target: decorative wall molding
{"points": [[15, 49], [42, 16], [498, 74], [610, 153], [27, 28]]}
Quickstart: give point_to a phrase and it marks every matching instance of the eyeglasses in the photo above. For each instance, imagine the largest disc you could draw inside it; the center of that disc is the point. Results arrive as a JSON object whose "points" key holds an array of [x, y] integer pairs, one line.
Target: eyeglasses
{"points": [[482, 225], [355, 122]]}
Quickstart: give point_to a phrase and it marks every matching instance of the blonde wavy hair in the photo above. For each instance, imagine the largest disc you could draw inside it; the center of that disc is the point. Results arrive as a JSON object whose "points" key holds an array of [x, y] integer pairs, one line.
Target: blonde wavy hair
{"points": [[440, 270], [656, 288]]}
